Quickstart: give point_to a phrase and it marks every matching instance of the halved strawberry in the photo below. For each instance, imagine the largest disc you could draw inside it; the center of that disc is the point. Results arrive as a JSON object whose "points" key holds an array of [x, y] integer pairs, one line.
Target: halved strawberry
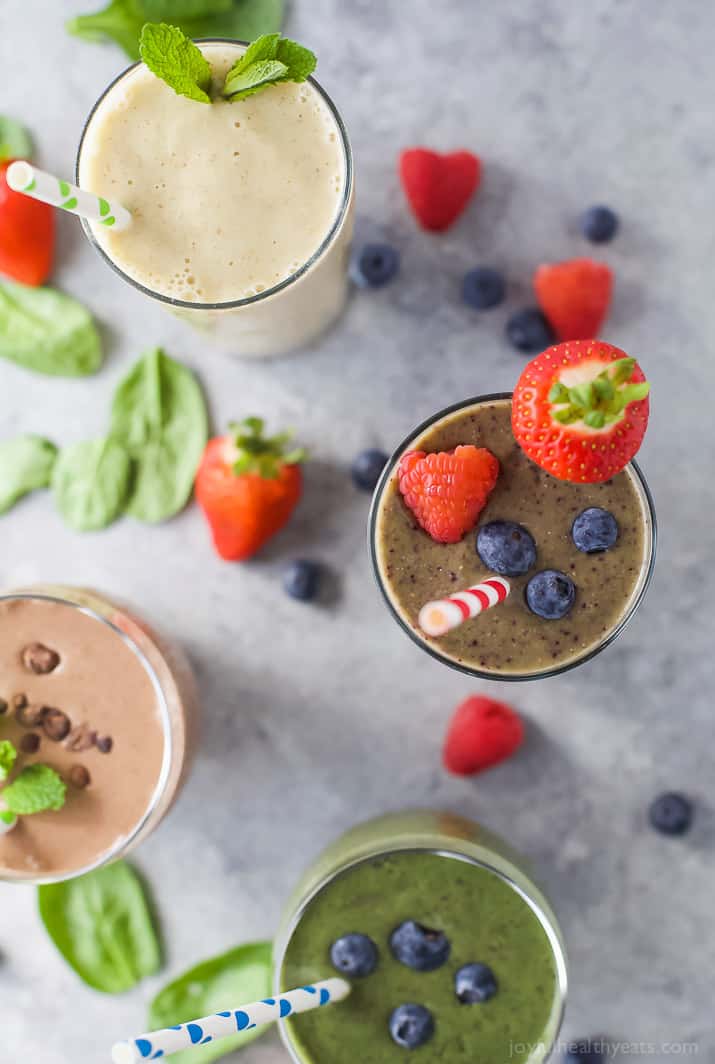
{"points": [[580, 410], [447, 490], [574, 296]]}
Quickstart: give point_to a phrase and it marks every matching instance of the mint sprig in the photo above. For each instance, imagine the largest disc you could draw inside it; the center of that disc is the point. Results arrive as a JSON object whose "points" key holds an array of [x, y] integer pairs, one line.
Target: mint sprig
{"points": [[173, 57], [269, 60], [36, 789], [599, 402], [8, 754]]}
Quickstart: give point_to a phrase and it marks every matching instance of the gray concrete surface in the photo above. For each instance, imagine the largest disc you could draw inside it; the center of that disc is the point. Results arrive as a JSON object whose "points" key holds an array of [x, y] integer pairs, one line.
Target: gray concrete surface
{"points": [[318, 717]]}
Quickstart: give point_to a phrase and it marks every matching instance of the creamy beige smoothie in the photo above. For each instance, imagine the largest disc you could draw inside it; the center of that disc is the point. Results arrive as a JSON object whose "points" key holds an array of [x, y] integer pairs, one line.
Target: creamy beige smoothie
{"points": [[246, 202], [88, 689]]}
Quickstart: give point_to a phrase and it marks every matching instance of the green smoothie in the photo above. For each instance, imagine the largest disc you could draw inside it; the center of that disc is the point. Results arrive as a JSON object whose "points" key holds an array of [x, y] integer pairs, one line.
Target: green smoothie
{"points": [[486, 920]]}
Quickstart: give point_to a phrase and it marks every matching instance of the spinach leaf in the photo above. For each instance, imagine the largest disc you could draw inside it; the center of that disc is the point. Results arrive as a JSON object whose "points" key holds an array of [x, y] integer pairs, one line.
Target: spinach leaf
{"points": [[159, 416], [224, 982], [25, 464], [122, 20], [15, 141], [91, 483], [47, 331], [102, 926]]}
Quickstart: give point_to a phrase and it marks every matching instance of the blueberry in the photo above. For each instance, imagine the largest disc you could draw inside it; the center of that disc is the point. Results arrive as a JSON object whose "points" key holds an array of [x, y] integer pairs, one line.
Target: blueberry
{"points": [[528, 330], [586, 1051], [594, 530], [475, 983], [506, 548], [671, 813], [367, 467], [374, 265], [354, 955], [550, 594], [599, 224], [483, 288], [419, 947], [411, 1026], [301, 579]]}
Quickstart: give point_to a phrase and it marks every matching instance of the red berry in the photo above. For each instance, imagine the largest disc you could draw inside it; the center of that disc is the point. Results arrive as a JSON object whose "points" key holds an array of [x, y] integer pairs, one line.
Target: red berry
{"points": [[447, 490], [438, 187], [27, 234], [482, 733], [580, 410], [574, 296]]}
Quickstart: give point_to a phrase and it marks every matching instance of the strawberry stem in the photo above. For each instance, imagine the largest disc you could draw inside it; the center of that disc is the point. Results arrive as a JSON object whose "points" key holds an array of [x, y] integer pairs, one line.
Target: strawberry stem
{"points": [[599, 402], [256, 453]]}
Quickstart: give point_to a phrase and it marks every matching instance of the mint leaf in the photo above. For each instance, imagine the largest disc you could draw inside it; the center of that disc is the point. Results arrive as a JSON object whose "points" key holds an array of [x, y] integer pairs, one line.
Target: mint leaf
{"points": [[8, 753], [47, 331], [15, 141], [267, 61], [36, 789], [91, 483], [176, 60], [25, 465]]}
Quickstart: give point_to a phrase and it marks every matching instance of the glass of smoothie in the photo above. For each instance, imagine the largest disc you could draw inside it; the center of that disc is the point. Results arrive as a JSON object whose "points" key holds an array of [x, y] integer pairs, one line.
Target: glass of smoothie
{"points": [[89, 689], [431, 911], [508, 641], [242, 211]]}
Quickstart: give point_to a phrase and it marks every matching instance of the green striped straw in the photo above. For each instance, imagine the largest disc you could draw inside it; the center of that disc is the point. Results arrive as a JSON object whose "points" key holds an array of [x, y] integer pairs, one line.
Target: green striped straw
{"points": [[22, 177]]}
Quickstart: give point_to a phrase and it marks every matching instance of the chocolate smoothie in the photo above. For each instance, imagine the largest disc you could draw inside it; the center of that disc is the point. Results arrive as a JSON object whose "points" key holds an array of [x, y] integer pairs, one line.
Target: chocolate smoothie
{"points": [[509, 640], [79, 695]]}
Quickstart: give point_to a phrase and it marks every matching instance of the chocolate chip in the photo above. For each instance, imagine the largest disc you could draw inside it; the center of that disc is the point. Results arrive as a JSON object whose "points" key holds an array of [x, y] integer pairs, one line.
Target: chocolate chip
{"points": [[105, 743], [30, 743], [79, 776], [56, 724], [40, 659], [19, 701], [3, 706], [30, 716], [81, 738]]}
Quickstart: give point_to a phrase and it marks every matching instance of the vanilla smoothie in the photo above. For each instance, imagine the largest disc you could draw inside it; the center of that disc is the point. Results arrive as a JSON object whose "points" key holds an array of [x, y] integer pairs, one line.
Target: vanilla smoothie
{"points": [[242, 210]]}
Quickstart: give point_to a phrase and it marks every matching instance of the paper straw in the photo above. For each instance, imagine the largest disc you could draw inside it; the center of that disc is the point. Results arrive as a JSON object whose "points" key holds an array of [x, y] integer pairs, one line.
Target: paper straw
{"points": [[440, 616], [22, 177], [158, 1044]]}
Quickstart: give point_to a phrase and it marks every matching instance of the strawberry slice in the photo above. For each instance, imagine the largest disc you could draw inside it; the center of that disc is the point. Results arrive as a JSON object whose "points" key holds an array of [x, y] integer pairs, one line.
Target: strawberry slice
{"points": [[482, 733], [447, 490], [438, 187], [574, 296], [580, 410]]}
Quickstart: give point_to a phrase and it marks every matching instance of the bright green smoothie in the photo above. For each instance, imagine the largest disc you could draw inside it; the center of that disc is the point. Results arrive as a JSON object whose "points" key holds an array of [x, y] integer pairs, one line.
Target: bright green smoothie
{"points": [[485, 919]]}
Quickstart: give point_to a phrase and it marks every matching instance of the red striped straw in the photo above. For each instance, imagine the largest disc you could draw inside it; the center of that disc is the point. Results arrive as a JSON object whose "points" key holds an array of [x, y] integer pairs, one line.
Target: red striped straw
{"points": [[439, 617]]}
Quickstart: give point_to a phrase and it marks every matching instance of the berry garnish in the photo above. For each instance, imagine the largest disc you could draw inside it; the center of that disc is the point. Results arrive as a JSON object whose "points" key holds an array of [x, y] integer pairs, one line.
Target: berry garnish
{"points": [[411, 1026], [528, 330], [354, 955], [550, 594], [586, 1051], [247, 485], [599, 224], [580, 410], [506, 548], [483, 288], [301, 579], [594, 530], [418, 947], [27, 234], [447, 490], [367, 467], [482, 733], [671, 813], [374, 265], [438, 187], [574, 296], [475, 983]]}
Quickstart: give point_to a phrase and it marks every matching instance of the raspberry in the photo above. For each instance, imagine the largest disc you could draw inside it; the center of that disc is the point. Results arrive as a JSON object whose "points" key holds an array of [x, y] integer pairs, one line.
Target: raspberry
{"points": [[482, 733], [447, 490]]}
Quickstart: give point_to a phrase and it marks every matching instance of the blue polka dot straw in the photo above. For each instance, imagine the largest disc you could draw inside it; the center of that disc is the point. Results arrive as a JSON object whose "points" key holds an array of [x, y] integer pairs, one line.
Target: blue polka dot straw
{"points": [[36, 183], [159, 1044]]}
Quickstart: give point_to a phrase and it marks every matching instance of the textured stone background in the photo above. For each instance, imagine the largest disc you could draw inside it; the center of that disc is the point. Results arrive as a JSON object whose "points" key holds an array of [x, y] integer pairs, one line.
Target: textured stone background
{"points": [[317, 717]]}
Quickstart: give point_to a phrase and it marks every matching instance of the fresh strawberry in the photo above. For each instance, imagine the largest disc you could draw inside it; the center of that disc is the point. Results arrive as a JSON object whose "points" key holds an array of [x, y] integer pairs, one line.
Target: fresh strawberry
{"points": [[27, 234], [580, 410], [574, 296], [247, 487], [447, 490], [438, 187], [482, 733]]}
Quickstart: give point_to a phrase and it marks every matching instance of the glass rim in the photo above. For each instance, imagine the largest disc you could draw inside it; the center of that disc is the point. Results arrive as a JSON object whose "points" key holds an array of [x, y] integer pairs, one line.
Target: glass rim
{"points": [[484, 674], [125, 841], [548, 924], [246, 301]]}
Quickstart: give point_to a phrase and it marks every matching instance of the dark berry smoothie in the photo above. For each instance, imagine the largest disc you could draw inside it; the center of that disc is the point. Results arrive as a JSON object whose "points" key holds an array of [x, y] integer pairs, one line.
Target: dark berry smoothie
{"points": [[510, 640], [445, 955]]}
